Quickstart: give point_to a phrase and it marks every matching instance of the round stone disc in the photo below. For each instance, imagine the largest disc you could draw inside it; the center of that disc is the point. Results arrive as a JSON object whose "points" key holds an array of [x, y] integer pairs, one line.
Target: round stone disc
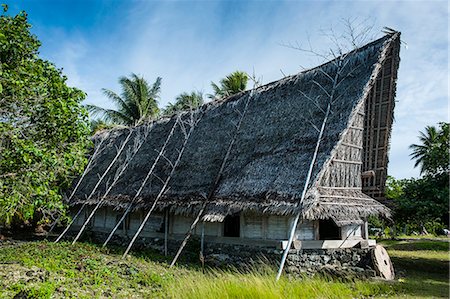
{"points": [[382, 263]]}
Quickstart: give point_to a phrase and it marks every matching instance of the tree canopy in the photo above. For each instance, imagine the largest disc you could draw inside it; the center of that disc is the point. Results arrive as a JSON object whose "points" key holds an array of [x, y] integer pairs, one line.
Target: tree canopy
{"points": [[43, 127], [185, 101], [137, 103], [424, 201], [231, 84], [432, 154]]}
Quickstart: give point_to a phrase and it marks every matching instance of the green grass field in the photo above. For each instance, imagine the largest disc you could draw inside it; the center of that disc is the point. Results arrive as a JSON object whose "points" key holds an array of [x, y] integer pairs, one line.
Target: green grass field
{"points": [[47, 270]]}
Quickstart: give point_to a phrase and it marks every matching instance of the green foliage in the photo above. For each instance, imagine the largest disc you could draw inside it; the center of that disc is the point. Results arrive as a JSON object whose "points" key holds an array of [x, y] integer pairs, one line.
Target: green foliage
{"points": [[422, 204], [99, 125], [231, 84], [137, 103], [43, 127], [432, 154], [185, 101], [419, 203]]}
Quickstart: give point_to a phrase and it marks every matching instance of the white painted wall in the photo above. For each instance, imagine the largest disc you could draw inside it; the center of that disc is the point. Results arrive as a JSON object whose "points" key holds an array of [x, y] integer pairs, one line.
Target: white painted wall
{"points": [[277, 227], [351, 232], [305, 231], [180, 224], [252, 226]]}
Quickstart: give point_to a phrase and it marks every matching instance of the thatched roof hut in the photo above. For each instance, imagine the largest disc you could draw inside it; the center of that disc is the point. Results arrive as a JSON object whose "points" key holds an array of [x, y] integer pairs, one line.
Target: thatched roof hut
{"points": [[267, 165]]}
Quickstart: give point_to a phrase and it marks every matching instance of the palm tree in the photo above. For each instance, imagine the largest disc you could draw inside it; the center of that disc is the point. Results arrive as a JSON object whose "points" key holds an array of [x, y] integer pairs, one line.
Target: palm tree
{"points": [[185, 101], [136, 104], [424, 153], [231, 84]]}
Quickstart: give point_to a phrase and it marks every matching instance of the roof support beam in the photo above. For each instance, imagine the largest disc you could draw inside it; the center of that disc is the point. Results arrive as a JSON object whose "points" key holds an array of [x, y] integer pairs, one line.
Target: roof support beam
{"points": [[119, 151], [144, 182], [187, 134], [347, 162], [129, 155], [218, 177]]}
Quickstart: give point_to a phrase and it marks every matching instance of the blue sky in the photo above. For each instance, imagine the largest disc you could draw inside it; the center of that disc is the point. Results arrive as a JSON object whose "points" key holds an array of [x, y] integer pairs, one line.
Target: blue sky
{"points": [[191, 43]]}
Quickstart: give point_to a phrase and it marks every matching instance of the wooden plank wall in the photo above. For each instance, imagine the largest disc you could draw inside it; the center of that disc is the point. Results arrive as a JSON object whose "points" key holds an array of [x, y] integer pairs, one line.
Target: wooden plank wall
{"points": [[379, 110]]}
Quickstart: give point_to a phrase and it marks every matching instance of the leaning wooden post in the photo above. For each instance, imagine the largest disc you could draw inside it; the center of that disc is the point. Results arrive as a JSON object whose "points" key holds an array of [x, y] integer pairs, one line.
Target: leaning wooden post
{"points": [[366, 229], [202, 246], [336, 81], [120, 171], [86, 170], [164, 187], [215, 184], [202, 239], [144, 182], [88, 167], [305, 188], [166, 230], [331, 98], [96, 185]]}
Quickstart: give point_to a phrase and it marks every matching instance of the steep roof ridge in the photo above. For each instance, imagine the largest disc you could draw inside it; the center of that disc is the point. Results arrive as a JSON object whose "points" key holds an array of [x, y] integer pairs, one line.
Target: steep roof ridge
{"points": [[297, 76], [262, 88], [313, 197]]}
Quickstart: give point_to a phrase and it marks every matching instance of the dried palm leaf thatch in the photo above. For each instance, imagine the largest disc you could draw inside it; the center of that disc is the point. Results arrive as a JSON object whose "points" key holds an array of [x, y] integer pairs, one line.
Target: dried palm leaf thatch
{"points": [[269, 161]]}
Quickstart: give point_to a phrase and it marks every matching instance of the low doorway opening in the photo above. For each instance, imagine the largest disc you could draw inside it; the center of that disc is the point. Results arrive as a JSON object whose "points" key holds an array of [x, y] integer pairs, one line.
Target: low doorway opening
{"points": [[328, 230], [231, 226]]}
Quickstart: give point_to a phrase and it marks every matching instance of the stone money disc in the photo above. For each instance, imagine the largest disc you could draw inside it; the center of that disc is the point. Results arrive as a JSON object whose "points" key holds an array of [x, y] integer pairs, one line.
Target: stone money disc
{"points": [[382, 263]]}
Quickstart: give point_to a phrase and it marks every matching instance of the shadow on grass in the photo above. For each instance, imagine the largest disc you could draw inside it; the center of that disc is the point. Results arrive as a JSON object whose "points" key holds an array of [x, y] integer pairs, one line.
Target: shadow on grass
{"points": [[416, 245], [422, 277]]}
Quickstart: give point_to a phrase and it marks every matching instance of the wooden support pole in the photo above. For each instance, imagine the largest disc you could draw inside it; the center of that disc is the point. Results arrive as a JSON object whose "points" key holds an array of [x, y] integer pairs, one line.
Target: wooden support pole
{"points": [[166, 230], [366, 229], [121, 170], [216, 182], [70, 223], [85, 171], [88, 167], [202, 247], [164, 187], [305, 188], [97, 184], [202, 239], [144, 182], [116, 227]]}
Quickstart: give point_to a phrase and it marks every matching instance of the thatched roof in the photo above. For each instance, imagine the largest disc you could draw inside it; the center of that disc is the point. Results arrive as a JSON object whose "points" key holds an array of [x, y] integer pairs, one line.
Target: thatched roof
{"points": [[269, 160]]}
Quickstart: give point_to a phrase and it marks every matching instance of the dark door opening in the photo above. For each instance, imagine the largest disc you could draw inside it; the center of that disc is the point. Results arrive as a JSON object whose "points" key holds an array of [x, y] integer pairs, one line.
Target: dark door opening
{"points": [[231, 226], [328, 230]]}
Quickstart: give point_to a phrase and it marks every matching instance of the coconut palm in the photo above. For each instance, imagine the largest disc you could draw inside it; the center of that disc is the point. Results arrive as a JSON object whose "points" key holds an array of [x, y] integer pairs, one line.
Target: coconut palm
{"points": [[231, 84], [185, 101], [137, 102], [432, 152]]}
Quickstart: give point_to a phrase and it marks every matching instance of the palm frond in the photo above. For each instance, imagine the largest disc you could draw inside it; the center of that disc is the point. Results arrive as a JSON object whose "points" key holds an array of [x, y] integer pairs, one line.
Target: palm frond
{"points": [[109, 115]]}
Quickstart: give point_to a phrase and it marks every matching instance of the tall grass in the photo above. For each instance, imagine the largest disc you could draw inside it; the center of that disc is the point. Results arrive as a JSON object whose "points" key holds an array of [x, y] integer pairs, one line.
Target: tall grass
{"points": [[88, 271], [262, 284]]}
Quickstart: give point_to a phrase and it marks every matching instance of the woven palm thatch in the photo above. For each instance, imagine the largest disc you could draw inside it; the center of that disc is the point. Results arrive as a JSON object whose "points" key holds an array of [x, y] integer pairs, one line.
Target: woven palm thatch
{"points": [[268, 163]]}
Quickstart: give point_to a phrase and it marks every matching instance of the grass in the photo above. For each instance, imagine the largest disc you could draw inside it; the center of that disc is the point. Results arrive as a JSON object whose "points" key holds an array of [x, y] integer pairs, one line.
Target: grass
{"points": [[47, 270], [422, 267]]}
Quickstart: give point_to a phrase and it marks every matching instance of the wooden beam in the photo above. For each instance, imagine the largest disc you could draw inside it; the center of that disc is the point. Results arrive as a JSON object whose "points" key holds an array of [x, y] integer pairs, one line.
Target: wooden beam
{"points": [[340, 188], [347, 162], [216, 181], [379, 121], [348, 204], [166, 230], [352, 145], [348, 197]]}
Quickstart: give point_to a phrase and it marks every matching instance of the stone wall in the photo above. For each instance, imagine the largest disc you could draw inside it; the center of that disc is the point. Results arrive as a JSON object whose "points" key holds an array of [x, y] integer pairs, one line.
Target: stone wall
{"points": [[345, 262]]}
